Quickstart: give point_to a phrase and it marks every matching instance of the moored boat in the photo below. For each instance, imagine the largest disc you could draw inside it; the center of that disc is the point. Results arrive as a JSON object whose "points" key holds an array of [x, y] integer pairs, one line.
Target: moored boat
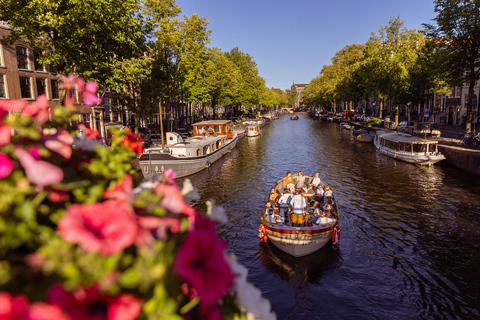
{"points": [[253, 131], [366, 137], [314, 232], [408, 148], [211, 140]]}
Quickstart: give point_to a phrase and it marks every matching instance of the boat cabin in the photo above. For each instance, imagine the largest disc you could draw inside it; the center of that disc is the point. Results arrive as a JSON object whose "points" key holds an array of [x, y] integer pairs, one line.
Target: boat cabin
{"points": [[407, 143], [213, 128]]}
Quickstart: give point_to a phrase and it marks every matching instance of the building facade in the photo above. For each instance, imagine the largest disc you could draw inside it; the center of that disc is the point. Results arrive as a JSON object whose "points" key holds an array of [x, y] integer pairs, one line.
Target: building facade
{"points": [[298, 88]]}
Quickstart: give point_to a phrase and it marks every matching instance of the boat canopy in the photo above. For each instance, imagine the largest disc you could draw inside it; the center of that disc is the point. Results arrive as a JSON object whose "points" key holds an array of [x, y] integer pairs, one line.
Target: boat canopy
{"points": [[402, 137]]}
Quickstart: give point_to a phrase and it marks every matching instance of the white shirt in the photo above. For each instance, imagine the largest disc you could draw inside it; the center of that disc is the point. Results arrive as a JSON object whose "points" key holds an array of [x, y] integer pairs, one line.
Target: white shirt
{"points": [[286, 198], [299, 204], [316, 181]]}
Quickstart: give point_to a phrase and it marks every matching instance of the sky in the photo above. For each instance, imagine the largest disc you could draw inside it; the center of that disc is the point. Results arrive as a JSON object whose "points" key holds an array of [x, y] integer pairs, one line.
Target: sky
{"points": [[292, 40]]}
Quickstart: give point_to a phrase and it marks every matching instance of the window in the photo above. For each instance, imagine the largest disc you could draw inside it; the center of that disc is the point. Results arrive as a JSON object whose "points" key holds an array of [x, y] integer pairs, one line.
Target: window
{"points": [[25, 87], [41, 86], [54, 85], [108, 111], [3, 92], [38, 66], [22, 58]]}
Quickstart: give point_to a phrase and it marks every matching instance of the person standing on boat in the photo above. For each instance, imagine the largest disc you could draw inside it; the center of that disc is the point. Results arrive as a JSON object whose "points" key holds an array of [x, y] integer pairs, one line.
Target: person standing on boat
{"points": [[299, 204], [288, 179], [284, 204]]}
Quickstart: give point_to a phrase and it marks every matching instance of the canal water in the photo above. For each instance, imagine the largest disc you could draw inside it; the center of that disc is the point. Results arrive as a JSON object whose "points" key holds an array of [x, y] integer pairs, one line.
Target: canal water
{"points": [[410, 235]]}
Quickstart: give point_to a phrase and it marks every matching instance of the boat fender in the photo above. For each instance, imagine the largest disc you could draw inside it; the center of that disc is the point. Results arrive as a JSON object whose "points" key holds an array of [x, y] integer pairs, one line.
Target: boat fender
{"points": [[336, 236], [262, 234], [208, 164]]}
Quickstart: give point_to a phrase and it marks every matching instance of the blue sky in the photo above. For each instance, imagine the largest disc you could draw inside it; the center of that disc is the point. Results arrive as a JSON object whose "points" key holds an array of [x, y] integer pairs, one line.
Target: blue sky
{"points": [[292, 40]]}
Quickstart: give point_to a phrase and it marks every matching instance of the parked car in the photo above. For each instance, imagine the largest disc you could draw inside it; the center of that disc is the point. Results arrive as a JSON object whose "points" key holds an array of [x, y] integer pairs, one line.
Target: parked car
{"points": [[184, 133], [406, 127]]}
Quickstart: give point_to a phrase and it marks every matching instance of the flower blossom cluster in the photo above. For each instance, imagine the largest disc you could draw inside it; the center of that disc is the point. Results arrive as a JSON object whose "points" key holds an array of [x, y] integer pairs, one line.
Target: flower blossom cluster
{"points": [[120, 249]]}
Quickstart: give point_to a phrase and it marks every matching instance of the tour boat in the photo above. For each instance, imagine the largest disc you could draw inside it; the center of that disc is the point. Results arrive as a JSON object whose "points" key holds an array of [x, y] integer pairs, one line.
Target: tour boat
{"points": [[294, 117], [211, 140], [304, 240], [366, 137], [253, 131], [408, 148]]}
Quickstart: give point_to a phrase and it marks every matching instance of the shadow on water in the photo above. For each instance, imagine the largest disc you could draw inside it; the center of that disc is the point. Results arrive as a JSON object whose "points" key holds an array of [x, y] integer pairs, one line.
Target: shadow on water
{"points": [[302, 269]]}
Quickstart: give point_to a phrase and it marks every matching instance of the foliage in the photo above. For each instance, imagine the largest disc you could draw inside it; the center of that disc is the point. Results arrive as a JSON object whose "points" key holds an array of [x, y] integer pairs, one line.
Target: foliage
{"points": [[457, 32], [77, 234]]}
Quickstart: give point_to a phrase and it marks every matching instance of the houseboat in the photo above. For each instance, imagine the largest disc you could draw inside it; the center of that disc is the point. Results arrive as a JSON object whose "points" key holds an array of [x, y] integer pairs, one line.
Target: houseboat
{"points": [[211, 140], [408, 148], [315, 230], [253, 131]]}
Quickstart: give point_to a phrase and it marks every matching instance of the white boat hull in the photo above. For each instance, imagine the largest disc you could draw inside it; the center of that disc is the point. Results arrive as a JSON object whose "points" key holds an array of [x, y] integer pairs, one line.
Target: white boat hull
{"points": [[183, 166], [299, 244], [253, 133], [412, 157]]}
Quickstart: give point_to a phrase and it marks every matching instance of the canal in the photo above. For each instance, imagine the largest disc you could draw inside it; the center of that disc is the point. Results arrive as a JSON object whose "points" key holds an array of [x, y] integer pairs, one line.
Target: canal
{"points": [[410, 235]]}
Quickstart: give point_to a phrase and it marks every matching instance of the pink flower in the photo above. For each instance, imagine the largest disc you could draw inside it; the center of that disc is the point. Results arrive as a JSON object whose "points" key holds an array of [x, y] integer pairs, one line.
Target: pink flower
{"points": [[91, 304], [60, 143], [68, 82], [6, 165], [35, 261], [152, 228], [89, 96], [200, 262], [169, 176], [12, 308], [121, 190], [43, 311], [38, 109], [107, 227], [58, 195], [39, 172], [172, 200], [5, 135], [89, 133]]}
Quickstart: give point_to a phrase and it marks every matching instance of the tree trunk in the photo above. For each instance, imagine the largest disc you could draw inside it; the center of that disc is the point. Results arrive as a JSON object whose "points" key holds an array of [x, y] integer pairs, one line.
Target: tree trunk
{"points": [[380, 110], [468, 123], [396, 115]]}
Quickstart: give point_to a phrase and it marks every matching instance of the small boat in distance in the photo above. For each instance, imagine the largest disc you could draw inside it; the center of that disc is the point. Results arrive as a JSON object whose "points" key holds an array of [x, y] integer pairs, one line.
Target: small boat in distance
{"points": [[366, 137], [211, 140], [294, 117], [253, 131], [408, 148], [315, 230]]}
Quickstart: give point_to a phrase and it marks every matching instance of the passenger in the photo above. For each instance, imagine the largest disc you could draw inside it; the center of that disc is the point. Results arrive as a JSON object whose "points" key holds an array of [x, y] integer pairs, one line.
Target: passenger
{"points": [[299, 204], [284, 204], [328, 195], [319, 194], [288, 179], [300, 180], [211, 132], [274, 192], [315, 183], [269, 213]]}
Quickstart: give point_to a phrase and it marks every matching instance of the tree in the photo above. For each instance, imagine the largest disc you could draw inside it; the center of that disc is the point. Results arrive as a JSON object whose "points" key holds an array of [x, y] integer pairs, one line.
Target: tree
{"points": [[222, 79], [457, 30], [90, 38], [251, 85]]}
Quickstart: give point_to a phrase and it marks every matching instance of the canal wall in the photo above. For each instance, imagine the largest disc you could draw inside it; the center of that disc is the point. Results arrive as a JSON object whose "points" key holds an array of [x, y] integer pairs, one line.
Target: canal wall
{"points": [[465, 159]]}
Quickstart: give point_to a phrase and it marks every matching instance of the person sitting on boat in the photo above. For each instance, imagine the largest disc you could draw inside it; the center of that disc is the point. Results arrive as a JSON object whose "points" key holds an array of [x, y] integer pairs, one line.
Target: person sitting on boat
{"points": [[300, 180], [328, 194], [299, 204], [284, 204], [289, 183], [315, 183], [274, 195], [269, 213], [211, 132]]}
